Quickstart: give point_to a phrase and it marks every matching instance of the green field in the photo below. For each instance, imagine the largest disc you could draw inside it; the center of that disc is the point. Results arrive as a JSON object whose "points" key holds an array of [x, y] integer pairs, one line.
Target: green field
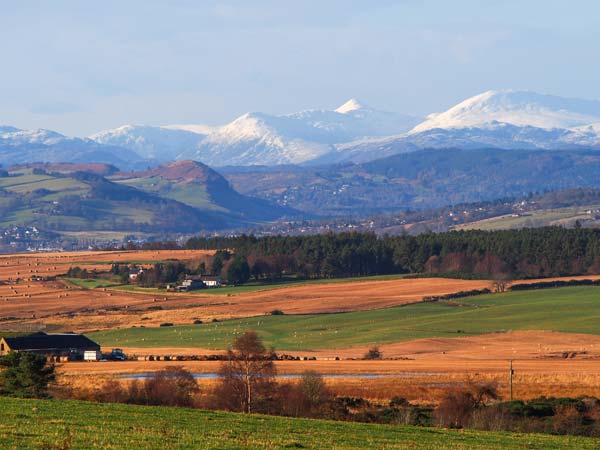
{"points": [[91, 283], [543, 217], [47, 424], [571, 309]]}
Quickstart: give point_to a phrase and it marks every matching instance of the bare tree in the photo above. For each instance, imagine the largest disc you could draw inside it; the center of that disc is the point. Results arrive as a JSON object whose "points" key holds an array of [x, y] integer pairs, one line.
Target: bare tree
{"points": [[247, 376], [500, 283]]}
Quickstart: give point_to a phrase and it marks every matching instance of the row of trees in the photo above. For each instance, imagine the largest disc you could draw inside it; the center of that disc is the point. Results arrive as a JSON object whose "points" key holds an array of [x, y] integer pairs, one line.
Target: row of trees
{"points": [[525, 253]]}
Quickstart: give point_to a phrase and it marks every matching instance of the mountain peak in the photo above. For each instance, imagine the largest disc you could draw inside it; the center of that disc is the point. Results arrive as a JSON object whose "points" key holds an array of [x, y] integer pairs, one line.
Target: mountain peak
{"points": [[351, 105], [519, 108]]}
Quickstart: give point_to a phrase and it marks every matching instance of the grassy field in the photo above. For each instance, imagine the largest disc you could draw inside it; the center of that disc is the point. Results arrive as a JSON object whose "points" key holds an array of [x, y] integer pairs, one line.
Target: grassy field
{"points": [[39, 424], [91, 283], [544, 217], [572, 309]]}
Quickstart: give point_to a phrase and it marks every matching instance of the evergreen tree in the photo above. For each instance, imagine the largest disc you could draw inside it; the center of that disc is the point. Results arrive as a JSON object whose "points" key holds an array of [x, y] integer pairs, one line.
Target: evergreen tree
{"points": [[25, 375]]}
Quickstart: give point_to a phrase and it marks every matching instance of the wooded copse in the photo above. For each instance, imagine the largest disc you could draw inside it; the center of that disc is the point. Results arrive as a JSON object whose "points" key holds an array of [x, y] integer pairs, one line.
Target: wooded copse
{"points": [[524, 253]]}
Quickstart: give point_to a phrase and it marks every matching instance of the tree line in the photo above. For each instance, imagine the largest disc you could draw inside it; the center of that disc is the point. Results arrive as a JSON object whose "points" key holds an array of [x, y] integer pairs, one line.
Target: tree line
{"points": [[524, 253]]}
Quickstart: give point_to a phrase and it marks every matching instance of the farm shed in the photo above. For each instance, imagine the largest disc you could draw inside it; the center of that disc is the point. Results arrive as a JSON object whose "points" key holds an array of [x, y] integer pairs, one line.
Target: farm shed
{"points": [[69, 345]]}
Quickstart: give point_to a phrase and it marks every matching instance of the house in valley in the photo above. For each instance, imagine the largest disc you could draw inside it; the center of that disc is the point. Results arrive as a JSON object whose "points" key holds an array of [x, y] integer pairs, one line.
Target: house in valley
{"points": [[212, 281], [135, 272], [191, 283], [194, 282]]}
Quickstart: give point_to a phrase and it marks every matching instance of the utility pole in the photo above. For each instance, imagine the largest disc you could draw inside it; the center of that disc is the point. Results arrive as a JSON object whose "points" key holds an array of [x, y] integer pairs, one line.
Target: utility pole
{"points": [[511, 379]]}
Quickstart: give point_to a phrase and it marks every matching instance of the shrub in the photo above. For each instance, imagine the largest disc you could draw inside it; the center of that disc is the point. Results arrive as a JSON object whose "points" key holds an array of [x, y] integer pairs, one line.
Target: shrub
{"points": [[166, 324], [277, 312], [458, 404], [373, 353], [455, 409], [568, 420], [172, 386], [399, 402]]}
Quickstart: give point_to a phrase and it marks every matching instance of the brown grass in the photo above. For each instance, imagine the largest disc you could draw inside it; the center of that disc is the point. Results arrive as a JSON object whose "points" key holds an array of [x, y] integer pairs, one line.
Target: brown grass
{"points": [[424, 382]]}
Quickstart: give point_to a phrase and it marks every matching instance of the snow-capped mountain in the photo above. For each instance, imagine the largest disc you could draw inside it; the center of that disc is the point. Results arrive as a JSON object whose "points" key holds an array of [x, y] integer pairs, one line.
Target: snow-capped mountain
{"points": [[520, 108], [25, 146], [194, 128], [160, 143], [495, 119], [258, 138], [352, 132]]}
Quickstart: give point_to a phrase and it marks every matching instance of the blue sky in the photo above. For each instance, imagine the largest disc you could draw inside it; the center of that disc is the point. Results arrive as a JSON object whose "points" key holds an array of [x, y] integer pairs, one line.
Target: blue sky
{"points": [[79, 67]]}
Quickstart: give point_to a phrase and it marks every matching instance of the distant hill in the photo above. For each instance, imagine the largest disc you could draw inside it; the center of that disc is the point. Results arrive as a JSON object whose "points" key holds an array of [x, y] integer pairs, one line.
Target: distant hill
{"points": [[199, 186], [421, 179], [74, 197]]}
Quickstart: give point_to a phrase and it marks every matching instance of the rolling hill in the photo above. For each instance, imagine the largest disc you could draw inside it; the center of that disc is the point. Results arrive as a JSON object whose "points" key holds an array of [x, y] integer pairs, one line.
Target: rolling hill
{"points": [[73, 198], [199, 186]]}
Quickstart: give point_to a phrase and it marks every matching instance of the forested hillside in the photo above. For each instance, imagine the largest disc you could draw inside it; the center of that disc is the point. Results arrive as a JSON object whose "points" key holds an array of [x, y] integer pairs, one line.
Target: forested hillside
{"points": [[422, 179]]}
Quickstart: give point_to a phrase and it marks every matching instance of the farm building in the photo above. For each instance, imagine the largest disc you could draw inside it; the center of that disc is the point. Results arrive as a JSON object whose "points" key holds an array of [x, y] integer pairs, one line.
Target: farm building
{"points": [[212, 281], [65, 345], [191, 283], [135, 272], [194, 282]]}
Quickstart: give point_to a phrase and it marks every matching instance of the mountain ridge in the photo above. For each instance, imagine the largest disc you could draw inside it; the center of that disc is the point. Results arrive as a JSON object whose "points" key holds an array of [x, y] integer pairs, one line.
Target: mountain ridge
{"points": [[353, 132]]}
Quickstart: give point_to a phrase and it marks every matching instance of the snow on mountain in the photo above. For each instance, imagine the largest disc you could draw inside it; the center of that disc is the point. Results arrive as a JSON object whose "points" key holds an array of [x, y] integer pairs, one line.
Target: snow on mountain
{"points": [[519, 120], [587, 136], [26, 146], [494, 135], [352, 132], [521, 108], [263, 139], [160, 143], [257, 138], [351, 105], [194, 128], [8, 129], [36, 136]]}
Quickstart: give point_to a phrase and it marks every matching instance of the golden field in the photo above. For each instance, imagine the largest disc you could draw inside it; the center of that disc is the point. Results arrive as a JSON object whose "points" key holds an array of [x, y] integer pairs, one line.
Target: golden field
{"points": [[418, 369]]}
